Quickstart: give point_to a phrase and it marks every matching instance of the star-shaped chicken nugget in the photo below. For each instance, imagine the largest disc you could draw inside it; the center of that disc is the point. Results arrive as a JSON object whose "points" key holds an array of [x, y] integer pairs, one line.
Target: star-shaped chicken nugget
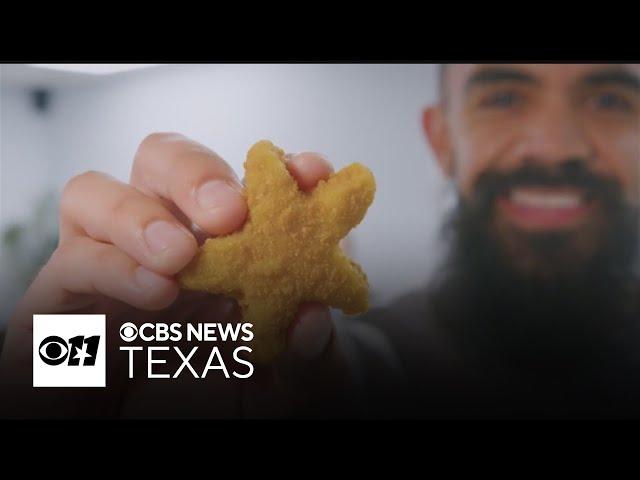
{"points": [[287, 252]]}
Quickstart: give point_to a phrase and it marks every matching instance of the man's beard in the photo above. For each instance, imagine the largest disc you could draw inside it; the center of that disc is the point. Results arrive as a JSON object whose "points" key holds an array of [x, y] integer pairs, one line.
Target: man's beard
{"points": [[568, 306]]}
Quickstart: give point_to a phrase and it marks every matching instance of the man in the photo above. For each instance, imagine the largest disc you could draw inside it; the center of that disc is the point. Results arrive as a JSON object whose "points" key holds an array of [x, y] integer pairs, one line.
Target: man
{"points": [[534, 313]]}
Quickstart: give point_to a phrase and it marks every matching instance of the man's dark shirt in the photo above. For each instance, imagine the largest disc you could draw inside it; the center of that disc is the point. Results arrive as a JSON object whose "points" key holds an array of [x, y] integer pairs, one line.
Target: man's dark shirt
{"points": [[438, 373]]}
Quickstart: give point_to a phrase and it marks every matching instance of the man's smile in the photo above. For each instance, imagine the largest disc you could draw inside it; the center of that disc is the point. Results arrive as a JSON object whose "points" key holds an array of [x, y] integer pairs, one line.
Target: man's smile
{"points": [[545, 208]]}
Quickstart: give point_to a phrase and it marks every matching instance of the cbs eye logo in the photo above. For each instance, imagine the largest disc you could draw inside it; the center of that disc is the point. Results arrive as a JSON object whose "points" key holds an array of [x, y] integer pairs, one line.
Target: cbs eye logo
{"points": [[69, 351], [128, 332], [78, 350]]}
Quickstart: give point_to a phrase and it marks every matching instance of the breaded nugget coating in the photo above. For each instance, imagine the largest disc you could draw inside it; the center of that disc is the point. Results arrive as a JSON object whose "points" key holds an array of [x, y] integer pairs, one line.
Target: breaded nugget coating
{"points": [[287, 252]]}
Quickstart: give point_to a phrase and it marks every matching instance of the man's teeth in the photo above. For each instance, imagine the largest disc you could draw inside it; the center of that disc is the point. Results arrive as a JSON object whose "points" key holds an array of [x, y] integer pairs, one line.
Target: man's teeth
{"points": [[545, 199]]}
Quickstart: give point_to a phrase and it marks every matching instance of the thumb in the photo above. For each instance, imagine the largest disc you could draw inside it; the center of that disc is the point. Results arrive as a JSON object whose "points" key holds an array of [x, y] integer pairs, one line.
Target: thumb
{"points": [[308, 169], [311, 333]]}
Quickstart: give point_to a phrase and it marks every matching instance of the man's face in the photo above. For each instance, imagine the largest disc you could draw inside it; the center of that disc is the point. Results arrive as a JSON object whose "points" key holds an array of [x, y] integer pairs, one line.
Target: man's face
{"points": [[553, 149]]}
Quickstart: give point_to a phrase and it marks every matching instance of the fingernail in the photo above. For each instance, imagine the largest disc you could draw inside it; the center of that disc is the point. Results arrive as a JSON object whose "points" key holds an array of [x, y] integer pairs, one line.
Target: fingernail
{"points": [[162, 235], [216, 194], [148, 280], [311, 334]]}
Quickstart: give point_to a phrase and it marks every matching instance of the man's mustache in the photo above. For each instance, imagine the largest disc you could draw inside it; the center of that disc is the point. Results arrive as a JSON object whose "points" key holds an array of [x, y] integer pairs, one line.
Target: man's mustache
{"points": [[571, 173]]}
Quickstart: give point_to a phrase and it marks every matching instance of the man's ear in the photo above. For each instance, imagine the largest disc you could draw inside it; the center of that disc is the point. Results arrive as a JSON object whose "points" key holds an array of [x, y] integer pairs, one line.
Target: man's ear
{"points": [[435, 129]]}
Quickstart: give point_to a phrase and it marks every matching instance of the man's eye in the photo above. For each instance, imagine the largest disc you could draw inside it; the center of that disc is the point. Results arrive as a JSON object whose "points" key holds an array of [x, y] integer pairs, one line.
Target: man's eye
{"points": [[611, 101], [503, 99]]}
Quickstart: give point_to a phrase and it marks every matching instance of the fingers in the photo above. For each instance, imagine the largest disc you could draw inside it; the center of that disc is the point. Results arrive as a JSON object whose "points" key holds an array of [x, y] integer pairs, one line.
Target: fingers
{"points": [[311, 333], [202, 185], [97, 205], [86, 267], [308, 169], [278, 389], [198, 181], [313, 372]]}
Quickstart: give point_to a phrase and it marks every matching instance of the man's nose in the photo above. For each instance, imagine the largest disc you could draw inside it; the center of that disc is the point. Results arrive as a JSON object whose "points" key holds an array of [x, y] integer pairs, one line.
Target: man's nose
{"points": [[554, 135]]}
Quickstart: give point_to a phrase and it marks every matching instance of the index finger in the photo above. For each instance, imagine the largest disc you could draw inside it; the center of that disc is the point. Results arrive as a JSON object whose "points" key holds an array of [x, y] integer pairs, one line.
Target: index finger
{"points": [[194, 178]]}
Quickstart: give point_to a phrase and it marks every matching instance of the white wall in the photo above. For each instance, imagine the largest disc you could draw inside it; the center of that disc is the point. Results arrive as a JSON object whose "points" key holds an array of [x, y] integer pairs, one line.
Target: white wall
{"points": [[26, 162], [366, 113], [26, 159]]}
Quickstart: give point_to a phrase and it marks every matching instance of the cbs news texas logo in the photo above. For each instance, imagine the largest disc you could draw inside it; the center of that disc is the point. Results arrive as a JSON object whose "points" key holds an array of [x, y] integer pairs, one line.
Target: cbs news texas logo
{"points": [[69, 351]]}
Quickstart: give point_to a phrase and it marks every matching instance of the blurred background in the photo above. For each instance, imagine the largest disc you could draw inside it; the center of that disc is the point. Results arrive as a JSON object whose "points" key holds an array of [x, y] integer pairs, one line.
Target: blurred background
{"points": [[58, 122]]}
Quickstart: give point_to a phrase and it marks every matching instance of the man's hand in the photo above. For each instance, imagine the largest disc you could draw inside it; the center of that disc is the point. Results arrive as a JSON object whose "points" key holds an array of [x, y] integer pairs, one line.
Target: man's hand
{"points": [[121, 246]]}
